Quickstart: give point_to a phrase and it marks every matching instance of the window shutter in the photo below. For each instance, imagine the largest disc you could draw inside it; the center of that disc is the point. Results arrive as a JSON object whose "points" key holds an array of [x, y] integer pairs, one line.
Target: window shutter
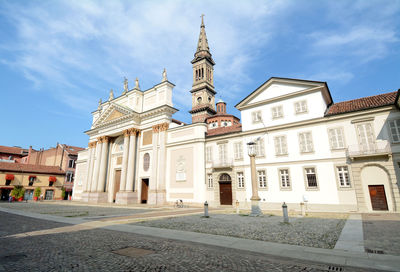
{"points": [[302, 142], [284, 145], [309, 142], [277, 146]]}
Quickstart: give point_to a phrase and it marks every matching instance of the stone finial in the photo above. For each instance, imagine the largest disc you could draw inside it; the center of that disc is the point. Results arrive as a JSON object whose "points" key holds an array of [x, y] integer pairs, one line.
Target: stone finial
{"points": [[125, 86], [111, 97], [137, 84], [99, 106], [164, 75]]}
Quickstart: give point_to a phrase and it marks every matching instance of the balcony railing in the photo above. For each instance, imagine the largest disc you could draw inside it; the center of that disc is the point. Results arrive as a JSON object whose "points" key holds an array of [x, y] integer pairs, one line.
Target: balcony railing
{"points": [[227, 163], [374, 149]]}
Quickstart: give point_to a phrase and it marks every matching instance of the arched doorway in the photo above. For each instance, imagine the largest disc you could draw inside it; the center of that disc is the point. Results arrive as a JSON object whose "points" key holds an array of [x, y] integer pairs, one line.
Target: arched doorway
{"points": [[376, 188], [225, 189]]}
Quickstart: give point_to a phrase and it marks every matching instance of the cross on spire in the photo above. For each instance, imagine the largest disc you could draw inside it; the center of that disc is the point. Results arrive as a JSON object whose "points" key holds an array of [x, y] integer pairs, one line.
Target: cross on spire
{"points": [[203, 50]]}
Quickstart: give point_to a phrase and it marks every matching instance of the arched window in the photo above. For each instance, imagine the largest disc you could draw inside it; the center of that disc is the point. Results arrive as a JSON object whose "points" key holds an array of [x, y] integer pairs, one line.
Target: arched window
{"points": [[225, 178], [146, 162]]}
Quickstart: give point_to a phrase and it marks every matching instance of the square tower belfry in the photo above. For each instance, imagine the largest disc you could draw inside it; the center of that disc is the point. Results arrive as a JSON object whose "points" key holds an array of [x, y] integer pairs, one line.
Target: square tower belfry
{"points": [[203, 93]]}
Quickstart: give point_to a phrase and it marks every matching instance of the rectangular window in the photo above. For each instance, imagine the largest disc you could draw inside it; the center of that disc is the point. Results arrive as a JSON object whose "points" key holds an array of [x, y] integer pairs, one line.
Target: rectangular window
{"points": [[240, 180], [259, 147], [256, 116], [238, 150], [394, 126], [306, 143], [284, 177], [343, 175], [336, 138], [311, 178], [222, 153], [280, 145], [71, 163], [70, 177], [300, 107], [209, 153], [262, 179], [210, 181], [277, 112]]}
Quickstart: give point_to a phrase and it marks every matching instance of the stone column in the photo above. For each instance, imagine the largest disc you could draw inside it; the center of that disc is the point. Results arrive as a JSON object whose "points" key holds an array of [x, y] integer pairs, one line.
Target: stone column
{"points": [[152, 198], [103, 164], [92, 147], [131, 160], [124, 160], [255, 199], [161, 187], [95, 177]]}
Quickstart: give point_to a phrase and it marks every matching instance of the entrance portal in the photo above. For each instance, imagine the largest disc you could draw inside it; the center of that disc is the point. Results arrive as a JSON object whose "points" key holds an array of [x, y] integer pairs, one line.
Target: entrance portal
{"points": [[225, 189], [378, 197], [117, 182], [145, 190]]}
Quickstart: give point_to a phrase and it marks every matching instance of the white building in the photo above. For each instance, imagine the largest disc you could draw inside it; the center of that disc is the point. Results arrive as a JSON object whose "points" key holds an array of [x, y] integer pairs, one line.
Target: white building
{"points": [[342, 156]]}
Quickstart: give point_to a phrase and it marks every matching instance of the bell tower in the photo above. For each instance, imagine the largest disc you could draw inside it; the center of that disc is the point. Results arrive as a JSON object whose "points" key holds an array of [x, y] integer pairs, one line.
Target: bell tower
{"points": [[203, 93]]}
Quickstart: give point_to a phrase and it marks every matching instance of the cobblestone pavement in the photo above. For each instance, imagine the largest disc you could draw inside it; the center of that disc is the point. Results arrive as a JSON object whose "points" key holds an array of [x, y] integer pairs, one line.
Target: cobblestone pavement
{"points": [[303, 231], [69, 210], [96, 250], [382, 232]]}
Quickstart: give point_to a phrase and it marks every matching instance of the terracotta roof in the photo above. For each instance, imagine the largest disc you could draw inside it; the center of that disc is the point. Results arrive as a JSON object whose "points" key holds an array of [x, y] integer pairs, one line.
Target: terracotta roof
{"points": [[73, 150], [30, 168], [364, 103], [13, 150]]}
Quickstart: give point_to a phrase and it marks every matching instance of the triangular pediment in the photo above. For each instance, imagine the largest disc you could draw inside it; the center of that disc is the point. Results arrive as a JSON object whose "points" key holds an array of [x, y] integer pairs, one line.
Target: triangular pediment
{"points": [[113, 113], [278, 88]]}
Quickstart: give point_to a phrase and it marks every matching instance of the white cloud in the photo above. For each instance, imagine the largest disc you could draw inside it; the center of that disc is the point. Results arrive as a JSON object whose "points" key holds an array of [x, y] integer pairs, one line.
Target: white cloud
{"points": [[90, 43]]}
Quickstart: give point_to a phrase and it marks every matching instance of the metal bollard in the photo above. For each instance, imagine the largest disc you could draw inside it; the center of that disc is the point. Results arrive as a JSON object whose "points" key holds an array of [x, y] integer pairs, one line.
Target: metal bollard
{"points": [[237, 206], [285, 213], [206, 209]]}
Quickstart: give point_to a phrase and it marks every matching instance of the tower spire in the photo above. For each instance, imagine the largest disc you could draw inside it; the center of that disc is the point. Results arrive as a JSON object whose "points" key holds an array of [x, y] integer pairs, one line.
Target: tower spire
{"points": [[203, 50]]}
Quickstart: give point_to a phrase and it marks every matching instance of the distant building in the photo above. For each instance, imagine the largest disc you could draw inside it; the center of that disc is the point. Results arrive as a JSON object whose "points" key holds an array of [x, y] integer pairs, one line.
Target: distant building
{"points": [[49, 178], [63, 156], [12, 154]]}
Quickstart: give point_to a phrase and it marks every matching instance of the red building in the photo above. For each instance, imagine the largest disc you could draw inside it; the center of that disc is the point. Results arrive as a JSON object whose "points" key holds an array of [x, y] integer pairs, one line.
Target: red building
{"points": [[12, 154]]}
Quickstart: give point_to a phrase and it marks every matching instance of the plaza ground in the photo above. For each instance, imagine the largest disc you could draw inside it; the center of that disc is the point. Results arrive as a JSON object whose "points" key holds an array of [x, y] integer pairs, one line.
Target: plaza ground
{"points": [[70, 236]]}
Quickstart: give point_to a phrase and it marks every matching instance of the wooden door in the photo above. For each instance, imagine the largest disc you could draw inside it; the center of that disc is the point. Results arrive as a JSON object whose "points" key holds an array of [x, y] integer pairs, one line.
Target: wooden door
{"points": [[225, 193], [378, 197], [117, 182], [145, 189]]}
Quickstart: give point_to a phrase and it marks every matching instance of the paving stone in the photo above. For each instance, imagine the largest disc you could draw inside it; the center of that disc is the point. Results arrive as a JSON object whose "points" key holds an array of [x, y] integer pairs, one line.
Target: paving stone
{"points": [[92, 250], [303, 231]]}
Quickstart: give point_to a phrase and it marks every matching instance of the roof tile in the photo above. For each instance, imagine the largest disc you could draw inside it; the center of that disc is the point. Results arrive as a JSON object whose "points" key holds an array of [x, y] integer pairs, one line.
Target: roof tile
{"points": [[362, 103]]}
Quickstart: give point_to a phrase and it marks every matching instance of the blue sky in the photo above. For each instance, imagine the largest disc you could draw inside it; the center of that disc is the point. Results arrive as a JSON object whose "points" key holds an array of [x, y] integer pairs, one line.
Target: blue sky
{"points": [[58, 58]]}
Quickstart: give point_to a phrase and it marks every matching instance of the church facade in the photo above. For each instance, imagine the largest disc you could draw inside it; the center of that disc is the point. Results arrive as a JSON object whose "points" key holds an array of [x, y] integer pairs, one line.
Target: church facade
{"points": [[310, 151]]}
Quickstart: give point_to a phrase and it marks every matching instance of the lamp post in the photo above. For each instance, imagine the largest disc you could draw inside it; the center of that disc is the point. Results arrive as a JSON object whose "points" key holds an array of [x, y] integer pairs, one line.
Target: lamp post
{"points": [[255, 199]]}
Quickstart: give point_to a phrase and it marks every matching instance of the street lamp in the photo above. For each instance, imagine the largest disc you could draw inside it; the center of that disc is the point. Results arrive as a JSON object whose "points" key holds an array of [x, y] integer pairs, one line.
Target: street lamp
{"points": [[255, 199]]}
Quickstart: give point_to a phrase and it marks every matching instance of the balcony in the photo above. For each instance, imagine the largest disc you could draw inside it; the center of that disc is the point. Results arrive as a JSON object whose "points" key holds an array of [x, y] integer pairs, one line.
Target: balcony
{"points": [[372, 150], [227, 163]]}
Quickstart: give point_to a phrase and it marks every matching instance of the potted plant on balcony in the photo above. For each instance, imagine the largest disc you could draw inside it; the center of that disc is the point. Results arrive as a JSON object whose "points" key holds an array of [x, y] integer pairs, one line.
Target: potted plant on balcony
{"points": [[36, 194], [18, 192]]}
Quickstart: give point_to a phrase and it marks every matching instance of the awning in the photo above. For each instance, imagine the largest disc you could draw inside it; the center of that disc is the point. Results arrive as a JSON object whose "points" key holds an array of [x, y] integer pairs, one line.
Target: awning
{"points": [[52, 179], [32, 177], [9, 177]]}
